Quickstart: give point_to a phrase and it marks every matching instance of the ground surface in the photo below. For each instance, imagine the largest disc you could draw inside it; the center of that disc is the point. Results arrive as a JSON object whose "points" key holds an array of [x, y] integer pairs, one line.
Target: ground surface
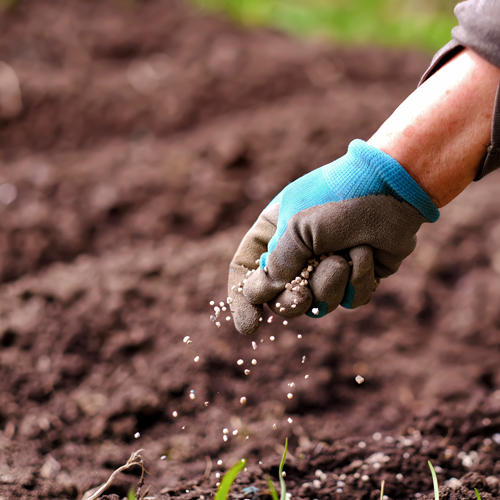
{"points": [[150, 138]]}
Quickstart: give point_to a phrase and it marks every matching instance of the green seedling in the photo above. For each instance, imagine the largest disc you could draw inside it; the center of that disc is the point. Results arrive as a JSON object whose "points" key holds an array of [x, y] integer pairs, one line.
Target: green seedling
{"points": [[382, 490], [272, 489], [131, 494], [228, 480], [477, 494], [434, 481]]}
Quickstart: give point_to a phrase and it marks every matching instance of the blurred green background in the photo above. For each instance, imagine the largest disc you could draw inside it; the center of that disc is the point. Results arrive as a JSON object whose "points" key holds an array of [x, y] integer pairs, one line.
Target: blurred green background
{"points": [[424, 24]]}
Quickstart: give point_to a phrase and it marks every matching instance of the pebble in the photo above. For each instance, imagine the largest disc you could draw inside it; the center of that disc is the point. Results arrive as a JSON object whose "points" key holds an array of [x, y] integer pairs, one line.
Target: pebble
{"points": [[217, 324], [278, 305], [206, 403], [225, 430], [224, 438]]}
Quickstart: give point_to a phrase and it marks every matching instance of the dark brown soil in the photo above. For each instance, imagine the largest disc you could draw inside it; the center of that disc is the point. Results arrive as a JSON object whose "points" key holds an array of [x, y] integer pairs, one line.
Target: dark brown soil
{"points": [[151, 136]]}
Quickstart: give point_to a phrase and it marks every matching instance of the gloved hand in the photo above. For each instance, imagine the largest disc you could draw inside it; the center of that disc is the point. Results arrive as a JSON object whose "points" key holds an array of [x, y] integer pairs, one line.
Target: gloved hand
{"points": [[363, 207]]}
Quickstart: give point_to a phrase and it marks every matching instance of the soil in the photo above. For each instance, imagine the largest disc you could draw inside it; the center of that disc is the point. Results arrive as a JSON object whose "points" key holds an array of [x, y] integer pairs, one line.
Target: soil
{"points": [[151, 136]]}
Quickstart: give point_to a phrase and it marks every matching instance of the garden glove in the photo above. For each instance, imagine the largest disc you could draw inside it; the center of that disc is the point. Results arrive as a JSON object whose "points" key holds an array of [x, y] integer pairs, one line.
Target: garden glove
{"points": [[362, 211]]}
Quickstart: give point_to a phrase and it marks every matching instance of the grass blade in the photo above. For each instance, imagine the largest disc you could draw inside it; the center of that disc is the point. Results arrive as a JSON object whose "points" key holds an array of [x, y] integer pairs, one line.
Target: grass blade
{"points": [[382, 490], [282, 464], [434, 481], [477, 494], [272, 489], [228, 480]]}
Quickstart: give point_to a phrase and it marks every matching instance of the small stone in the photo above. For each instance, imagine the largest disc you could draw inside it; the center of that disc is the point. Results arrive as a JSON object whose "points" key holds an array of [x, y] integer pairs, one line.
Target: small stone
{"points": [[359, 379], [235, 432], [217, 324], [304, 359], [219, 462], [278, 305], [254, 345], [206, 403], [282, 309], [224, 308], [225, 430], [306, 377], [288, 286], [229, 300]]}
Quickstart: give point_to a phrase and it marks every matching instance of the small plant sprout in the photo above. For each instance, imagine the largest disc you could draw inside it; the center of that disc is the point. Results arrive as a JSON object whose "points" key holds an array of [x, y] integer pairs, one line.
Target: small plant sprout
{"points": [[228, 480], [359, 379], [382, 490], [282, 475], [434, 481], [477, 494]]}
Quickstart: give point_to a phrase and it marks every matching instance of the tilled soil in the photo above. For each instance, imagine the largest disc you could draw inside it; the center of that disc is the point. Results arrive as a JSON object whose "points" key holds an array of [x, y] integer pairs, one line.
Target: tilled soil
{"points": [[150, 138]]}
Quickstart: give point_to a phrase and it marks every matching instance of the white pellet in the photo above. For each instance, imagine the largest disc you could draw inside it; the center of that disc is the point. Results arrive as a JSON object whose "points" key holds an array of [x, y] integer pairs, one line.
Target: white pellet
{"points": [[219, 462], [186, 338], [196, 359], [221, 304], [304, 359], [235, 432], [206, 403], [217, 324], [239, 362], [254, 345], [254, 362], [270, 319], [217, 475], [247, 372], [163, 457], [285, 322], [192, 396], [228, 318], [288, 286], [299, 336], [291, 384], [225, 430], [224, 308], [293, 306], [290, 420], [137, 435], [282, 309], [212, 303], [174, 414], [275, 426], [362, 445], [229, 300], [315, 311], [272, 338], [307, 376], [289, 395], [365, 478], [359, 379], [278, 305], [260, 319], [243, 400]]}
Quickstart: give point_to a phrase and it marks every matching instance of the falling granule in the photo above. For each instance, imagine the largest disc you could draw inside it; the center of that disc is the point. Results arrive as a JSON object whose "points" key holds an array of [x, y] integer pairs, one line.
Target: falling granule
{"points": [[261, 341], [293, 306], [191, 395], [285, 322], [183, 427], [306, 377], [217, 475], [217, 484], [219, 462], [315, 311], [224, 438], [186, 339], [163, 457], [174, 414], [299, 336], [254, 362], [289, 395], [275, 426], [290, 420], [272, 338], [260, 320], [224, 309], [206, 403], [283, 474], [278, 305], [225, 430], [228, 318], [270, 319], [239, 362], [221, 304], [196, 359], [254, 345], [359, 379], [282, 309], [291, 384], [235, 432], [304, 359], [137, 435], [212, 303], [243, 400], [247, 372], [217, 324]]}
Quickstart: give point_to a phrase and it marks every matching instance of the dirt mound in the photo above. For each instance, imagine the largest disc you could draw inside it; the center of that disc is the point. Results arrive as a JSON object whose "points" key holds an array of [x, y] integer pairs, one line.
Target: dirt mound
{"points": [[150, 138]]}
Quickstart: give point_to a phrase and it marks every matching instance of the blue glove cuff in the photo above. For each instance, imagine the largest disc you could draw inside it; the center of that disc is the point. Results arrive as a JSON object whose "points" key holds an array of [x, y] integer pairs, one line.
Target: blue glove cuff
{"points": [[365, 170]]}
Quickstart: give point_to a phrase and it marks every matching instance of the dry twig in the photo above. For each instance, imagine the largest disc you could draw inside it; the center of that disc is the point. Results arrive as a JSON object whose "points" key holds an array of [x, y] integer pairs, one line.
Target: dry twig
{"points": [[135, 459]]}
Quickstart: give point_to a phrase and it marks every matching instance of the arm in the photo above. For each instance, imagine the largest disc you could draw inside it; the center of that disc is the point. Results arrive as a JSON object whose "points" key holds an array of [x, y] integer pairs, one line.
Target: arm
{"points": [[441, 132]]}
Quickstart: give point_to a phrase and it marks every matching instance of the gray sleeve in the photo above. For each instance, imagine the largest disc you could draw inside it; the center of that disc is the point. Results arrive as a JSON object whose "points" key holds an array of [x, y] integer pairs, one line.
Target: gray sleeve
{"points": [[478, 29]]}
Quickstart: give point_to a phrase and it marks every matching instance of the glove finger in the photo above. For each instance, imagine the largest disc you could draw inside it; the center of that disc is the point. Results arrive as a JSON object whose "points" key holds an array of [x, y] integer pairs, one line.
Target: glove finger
{"points": [[362, 282], [247, 316], [292, 303], [328, 283]]}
